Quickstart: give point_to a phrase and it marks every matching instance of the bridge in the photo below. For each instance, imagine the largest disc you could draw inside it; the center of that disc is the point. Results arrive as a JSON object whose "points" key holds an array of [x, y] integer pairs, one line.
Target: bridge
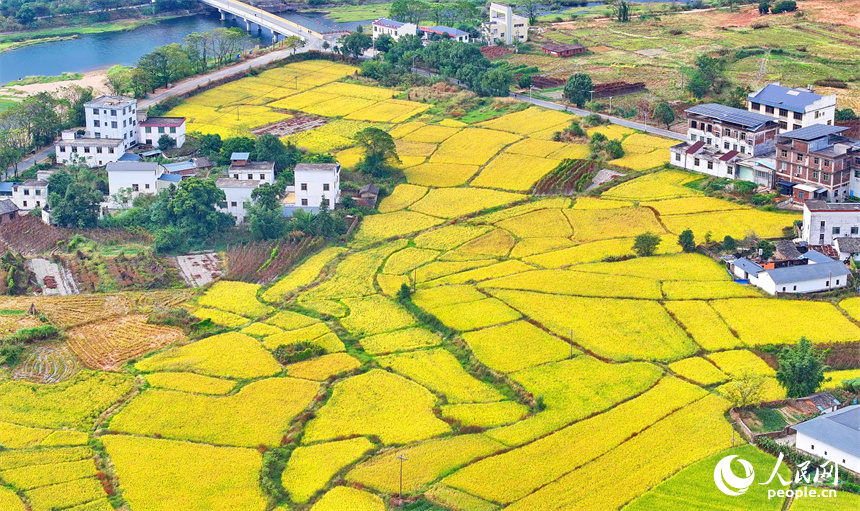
{"points": [[311, 32]]}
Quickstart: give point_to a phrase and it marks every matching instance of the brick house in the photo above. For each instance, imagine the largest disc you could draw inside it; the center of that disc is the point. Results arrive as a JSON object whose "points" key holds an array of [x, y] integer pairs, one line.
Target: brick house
{"points": [[816, 162]]}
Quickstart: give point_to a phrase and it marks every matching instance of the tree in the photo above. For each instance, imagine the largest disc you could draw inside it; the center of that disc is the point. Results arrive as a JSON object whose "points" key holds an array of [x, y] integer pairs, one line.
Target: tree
{"points": [[270, 148], [325, 45], [729, 244], [664, 114], [763, 7], [532, 8], [191, 209], [357, 43], [846, 114], [26, 14], [408, 11], [378, 147], [745, 389], [266, 220], [784, 6], [621, 9], [122, 197], [765, 249], [118, 80], [646, 244], [614, 150], [294, 43], [210, 144], [801, 368], [236, 145], [384, 43], [74, 201], [165, 142], [698, 86], [687, 241], [577, 89], [496, 82], [198, 48]]}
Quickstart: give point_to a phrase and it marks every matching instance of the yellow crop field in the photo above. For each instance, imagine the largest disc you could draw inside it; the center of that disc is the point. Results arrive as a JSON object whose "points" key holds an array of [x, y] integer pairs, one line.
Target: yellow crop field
{"points": [[261, 329], [737, 224], [530, 120], [736, 362], [106, 345], [851, 306], [432, 134], [65, 437], [450, 236], [321, 368], [688, 205], [571, 151], [344, 497], [643, 161], [322, 306], [521, 209], [667, 184], [402, 197], [257, 414], [598, 203], [612, 131], [515, 346], [302, 275], [353, 275], [379, 403], [13, 436], [655, 336], [304, 334], [599, 224], [433, 297], [514, 172], [703, 324], [431, 459], [817, 321], [390, 110], [472, 146], [509, 267], [440, 174], [414, 149], [406, 260], [539, 224], [289, 320], [236, 297], [9, 500], [497, 243], [65, 495], [190, 382], [231, 355], [596, 251], [485, 415], [449, 498], [642, 143], [75, 403], [219, 317], [669, 267], [475, 315], [538, 148], [698, 370], [836, 378], [166, 474], [440, 372], [387, 225], [402, 340], [34, 476], [357, 91], [564, 282], [375, 315], [11, 459], [311, 467], [454, 202], [531, 246], [686, 290], [330, 342]]}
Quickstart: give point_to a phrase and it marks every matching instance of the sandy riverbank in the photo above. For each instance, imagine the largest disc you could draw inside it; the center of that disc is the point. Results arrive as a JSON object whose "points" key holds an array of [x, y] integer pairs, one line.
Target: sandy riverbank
{"points": [[94, 79]]}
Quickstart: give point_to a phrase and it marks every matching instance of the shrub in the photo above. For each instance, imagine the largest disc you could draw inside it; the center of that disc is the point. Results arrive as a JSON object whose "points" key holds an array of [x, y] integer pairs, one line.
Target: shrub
{"points": [[39, 333], [291, 353], [784, 6]]}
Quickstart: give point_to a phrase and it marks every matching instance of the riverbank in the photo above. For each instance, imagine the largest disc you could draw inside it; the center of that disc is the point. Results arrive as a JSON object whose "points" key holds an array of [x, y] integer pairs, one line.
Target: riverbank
{"points": [[14, 40], [94, 79]]}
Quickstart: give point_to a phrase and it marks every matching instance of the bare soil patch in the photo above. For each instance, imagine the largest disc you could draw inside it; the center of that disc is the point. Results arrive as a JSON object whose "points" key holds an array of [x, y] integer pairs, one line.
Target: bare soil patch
{"points": [[200, 269], [291, 126]]}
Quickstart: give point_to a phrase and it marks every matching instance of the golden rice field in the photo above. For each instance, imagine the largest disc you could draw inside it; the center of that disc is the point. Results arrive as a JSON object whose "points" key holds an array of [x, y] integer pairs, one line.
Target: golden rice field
{"points": [[529, 369]]}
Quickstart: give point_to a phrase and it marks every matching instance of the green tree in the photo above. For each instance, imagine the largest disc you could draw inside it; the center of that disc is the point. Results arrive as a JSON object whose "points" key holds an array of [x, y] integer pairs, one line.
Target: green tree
{"points": [[236, 145], [356, 43], [577, 89], [801, 368], [765, 249], [384, 43], [496, 82], [165, 142], [74, 200], [698, 86], [621, 9], [378, 148], [664, 114], [266, 219], [646, 244], [846, 114], [26, 14], [408, 11], [763, 7], [729, 244], [532, 9], [294, 43], [614, 150], [270, 148], [191, 209], [687, 240], [210, 144]]}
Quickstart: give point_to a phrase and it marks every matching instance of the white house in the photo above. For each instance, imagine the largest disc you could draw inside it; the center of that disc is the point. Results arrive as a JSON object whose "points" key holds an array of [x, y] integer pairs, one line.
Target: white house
{"points": [[721, 138], [140, 177], [113, 117], [30, 194], [150, 129], [813, 272], [241, 168], [393, 28], [93, 152], [506, 26], [825, 221], [314, 182], [833, 436], [793, 108], [452, 33], [847, 248], [237, 193]]}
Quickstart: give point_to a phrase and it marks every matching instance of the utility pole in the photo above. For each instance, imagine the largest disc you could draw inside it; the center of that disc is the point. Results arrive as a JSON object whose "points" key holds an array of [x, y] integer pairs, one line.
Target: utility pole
{"points": [[571, 344], [402, 458]]}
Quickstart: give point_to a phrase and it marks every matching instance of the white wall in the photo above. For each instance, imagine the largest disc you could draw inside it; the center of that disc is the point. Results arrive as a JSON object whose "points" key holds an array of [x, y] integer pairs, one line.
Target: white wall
{"points": [[113, 122], [145, 181], [29, 197], [845, 220], [809, 286], [310, 184], [815, 447], [155, 132], [406, 29], [65, 154], [236, 198], [680, 158], [246, 174]]}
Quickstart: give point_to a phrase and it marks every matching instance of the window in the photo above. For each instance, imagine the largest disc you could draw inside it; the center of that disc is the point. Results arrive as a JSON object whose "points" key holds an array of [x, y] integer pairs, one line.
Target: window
{"points": [[232, 204], [743, 135], [710, 141], [815, 161], [783, 166], [826, 163], [783, 112], [113, 124], [815, 174], [768, 109], [110, 150], [854, 230], [325, 187], [148, 129], [726, 145], [799, 157], [677, 156], [38, 192], [304, 187], [735, 147], [235, 176], [98, 135], [837, 283], [149, 141], [123, 124], [86, 149], [96, 124], [173, 130], [794, 288], [755, 106], [113, 113], [304, 202], [250, 176], [826, 177], [161, 129], [146, 186], [729, 170], [783, 153], [798, 116], [710, 165], [62, 148], [262, 177], [710, 128], [783, 125], [695, 162], [836, 230], [694, 124], [26, 191], [25, 204], [12, 217], [222, 204], [796, 126], [135, 188]]}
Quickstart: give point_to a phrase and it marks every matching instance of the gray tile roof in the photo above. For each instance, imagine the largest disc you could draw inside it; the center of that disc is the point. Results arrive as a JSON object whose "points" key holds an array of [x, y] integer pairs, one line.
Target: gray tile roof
{"points": [[732, 115], [839, 429], [795, 100], [787, 249], [229, 182], [816, 257], [151, 166], [851, 245], [385, 22], [820, 205], [813, 132], [7, 206], [316, 167], [748, 266], [807, 272]]}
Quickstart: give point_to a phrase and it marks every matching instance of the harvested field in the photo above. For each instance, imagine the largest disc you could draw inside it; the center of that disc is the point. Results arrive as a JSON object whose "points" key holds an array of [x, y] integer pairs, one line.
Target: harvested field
{"points": [[72, 311], [108, 344], [291, 126], [200, 269], [46, 363]]}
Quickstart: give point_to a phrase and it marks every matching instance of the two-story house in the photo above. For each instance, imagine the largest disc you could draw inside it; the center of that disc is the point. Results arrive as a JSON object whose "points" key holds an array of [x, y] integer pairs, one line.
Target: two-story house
{"points": [[396, 29], [793, 108], [824, 222], [74, 147], [113, 117], [315, 182], [816, 162], [138, 177], [243, 169], [719, 137], [30, 194], [150, 129], [505, 26]]}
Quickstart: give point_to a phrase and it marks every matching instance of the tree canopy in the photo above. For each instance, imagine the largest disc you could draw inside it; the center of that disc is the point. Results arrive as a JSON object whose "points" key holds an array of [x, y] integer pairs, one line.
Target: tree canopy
{"points": [[578, 88], [801, 368]]}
